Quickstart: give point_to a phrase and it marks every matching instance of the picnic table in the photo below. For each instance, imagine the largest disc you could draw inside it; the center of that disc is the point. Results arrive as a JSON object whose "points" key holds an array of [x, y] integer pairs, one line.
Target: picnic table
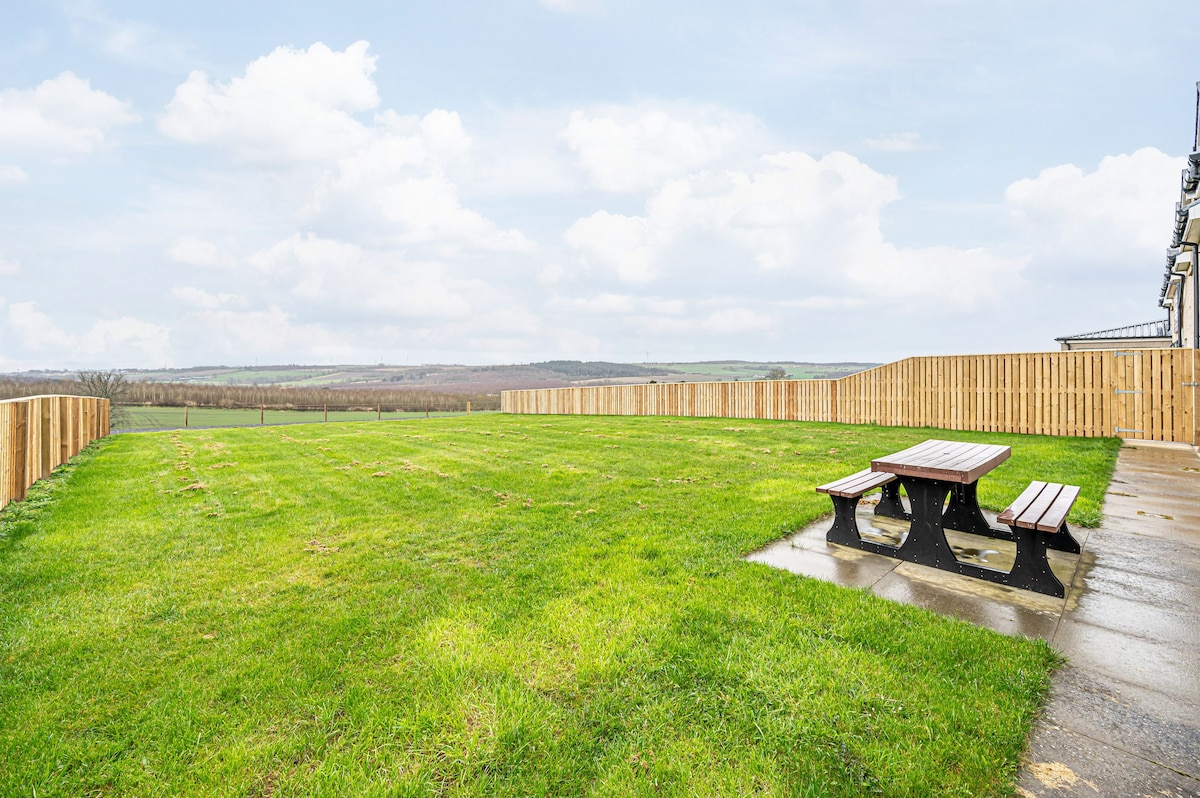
{"points": [[934, 471], [930, 472]]}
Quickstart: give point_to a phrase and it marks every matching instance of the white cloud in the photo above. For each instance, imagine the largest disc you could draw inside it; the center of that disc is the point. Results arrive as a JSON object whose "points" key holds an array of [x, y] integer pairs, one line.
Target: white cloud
{"points": [[124, 341], [428, 210], [12, 175], [9, 267], [327, 273], [127, 340], [37, 331], [313, 266], [627, 244], [900, 142], [813, 223], [60, 117], [957, 278], [391, 177], [625, 150], [272, 331], [291, 105], [1123, 208]]}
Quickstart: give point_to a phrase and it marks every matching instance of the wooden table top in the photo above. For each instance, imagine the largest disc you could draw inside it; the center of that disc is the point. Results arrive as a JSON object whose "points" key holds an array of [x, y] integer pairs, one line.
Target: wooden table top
{"points": [[945, 460]]}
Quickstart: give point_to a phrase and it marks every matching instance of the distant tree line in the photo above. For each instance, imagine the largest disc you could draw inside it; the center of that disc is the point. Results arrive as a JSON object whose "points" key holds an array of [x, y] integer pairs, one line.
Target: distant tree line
{"points": [[179, 394]]}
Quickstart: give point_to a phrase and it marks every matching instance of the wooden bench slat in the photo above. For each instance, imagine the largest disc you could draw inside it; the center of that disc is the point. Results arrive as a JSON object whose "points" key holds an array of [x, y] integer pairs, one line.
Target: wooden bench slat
{"points": [[1034, 512], [857, 484], [1042, 506], [1054, 517], [1021, 503]]}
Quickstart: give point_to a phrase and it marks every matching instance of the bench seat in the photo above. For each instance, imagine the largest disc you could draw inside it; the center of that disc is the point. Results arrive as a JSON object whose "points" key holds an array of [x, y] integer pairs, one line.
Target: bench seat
{"points": [[855, 485], [845, 494], [1043, 506], [1038, 520]]}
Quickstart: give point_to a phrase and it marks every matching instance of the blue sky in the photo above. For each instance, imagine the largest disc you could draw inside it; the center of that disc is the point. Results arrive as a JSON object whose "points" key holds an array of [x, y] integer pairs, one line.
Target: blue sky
{"points": [[211, 183]]}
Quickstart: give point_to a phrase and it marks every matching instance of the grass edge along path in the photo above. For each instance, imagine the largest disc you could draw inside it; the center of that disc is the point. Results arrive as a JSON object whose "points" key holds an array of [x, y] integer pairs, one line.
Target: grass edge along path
{"points": [[491, 605]]}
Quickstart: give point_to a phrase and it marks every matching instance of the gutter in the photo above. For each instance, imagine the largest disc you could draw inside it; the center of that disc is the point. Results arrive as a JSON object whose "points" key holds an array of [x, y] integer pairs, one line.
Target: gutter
{"points": [[1174, 252]]}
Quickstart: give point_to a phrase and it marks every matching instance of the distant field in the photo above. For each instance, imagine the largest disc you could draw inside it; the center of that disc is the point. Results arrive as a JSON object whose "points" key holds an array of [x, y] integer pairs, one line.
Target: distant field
{"points": [[143, 418], [742, 370]]}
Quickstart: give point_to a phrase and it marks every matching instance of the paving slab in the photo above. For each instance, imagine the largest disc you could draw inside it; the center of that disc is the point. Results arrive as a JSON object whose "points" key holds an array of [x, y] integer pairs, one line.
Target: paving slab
{"points": [[1123, 718]]}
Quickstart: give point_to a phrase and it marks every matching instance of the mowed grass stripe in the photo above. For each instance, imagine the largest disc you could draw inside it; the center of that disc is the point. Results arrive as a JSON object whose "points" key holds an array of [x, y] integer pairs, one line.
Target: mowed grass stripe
{"points": [[497, 605]]}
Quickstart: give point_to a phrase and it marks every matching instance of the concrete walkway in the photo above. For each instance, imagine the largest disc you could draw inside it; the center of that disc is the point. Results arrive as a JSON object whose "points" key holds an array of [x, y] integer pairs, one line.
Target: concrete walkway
{"points": [[1124, 713]]}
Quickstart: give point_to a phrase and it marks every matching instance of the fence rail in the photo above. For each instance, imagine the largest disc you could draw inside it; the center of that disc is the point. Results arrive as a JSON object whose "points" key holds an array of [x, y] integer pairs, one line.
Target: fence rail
{"points": [[1148, 394], [39, 433]]}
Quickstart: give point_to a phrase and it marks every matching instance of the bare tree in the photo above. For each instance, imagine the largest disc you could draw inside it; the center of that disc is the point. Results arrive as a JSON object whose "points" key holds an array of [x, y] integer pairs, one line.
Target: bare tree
{"points": [[777, 373], [110, 385]]}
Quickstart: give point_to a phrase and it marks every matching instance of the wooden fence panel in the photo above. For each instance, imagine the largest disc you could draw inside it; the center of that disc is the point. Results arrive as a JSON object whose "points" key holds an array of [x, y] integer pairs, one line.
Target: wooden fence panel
{"points": [[40, 433], [1140, 394]]}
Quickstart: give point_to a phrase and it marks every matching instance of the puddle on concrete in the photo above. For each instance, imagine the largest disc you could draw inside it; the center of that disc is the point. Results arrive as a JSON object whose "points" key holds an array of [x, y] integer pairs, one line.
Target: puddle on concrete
{"points": [[807, 552]]}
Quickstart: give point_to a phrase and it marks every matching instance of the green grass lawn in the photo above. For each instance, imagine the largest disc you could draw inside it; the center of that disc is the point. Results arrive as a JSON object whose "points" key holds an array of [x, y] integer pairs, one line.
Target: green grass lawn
{"points": [[494, 605]]}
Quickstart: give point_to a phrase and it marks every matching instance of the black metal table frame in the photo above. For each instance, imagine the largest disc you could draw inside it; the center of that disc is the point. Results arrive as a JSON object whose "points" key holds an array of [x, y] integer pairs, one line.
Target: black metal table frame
{"points": [[926, 542]]}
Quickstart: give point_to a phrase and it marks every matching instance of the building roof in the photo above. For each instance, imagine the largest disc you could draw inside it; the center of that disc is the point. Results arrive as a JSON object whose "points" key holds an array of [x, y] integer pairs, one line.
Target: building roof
{"points": [[1149, 329]]}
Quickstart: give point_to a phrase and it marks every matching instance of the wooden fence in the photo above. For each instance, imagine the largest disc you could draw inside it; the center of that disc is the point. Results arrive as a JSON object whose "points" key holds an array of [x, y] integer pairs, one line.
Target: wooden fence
{"points": [[38, 433], [1148, 394]]}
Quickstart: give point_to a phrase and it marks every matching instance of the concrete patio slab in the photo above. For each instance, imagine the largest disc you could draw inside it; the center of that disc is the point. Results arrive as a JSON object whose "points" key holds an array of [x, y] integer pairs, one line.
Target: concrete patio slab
{"points": [[1124, 714]]}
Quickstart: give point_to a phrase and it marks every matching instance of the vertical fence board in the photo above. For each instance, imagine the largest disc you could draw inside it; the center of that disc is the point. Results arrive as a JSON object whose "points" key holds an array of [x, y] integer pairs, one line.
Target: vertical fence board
{"points": [[1130, 393], [39, 433]]}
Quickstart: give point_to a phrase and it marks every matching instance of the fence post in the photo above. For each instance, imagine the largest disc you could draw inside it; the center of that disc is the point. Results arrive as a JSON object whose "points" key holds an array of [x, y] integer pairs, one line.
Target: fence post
{"points": [[185, 415], [426, 409], [468, 408], [262, 414], [327, 412], [379, 411]]}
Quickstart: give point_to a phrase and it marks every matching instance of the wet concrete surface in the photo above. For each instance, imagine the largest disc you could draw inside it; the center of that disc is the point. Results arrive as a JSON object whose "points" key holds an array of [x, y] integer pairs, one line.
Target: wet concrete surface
{"points": [[1124, 714]]}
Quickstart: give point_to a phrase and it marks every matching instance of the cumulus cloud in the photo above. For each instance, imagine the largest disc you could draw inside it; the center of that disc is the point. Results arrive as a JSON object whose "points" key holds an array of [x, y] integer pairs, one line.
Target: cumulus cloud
{"points": [[36, 330], [291, 105], [814, 223], [9, 267], [1124, 207], [389, 177], [124, 341], [627, 244], [60, 117], [625, 150]]}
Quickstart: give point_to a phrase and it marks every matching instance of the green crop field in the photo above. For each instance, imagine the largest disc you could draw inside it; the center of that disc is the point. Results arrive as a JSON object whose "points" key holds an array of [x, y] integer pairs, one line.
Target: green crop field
{"points": [[494, 606]]}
